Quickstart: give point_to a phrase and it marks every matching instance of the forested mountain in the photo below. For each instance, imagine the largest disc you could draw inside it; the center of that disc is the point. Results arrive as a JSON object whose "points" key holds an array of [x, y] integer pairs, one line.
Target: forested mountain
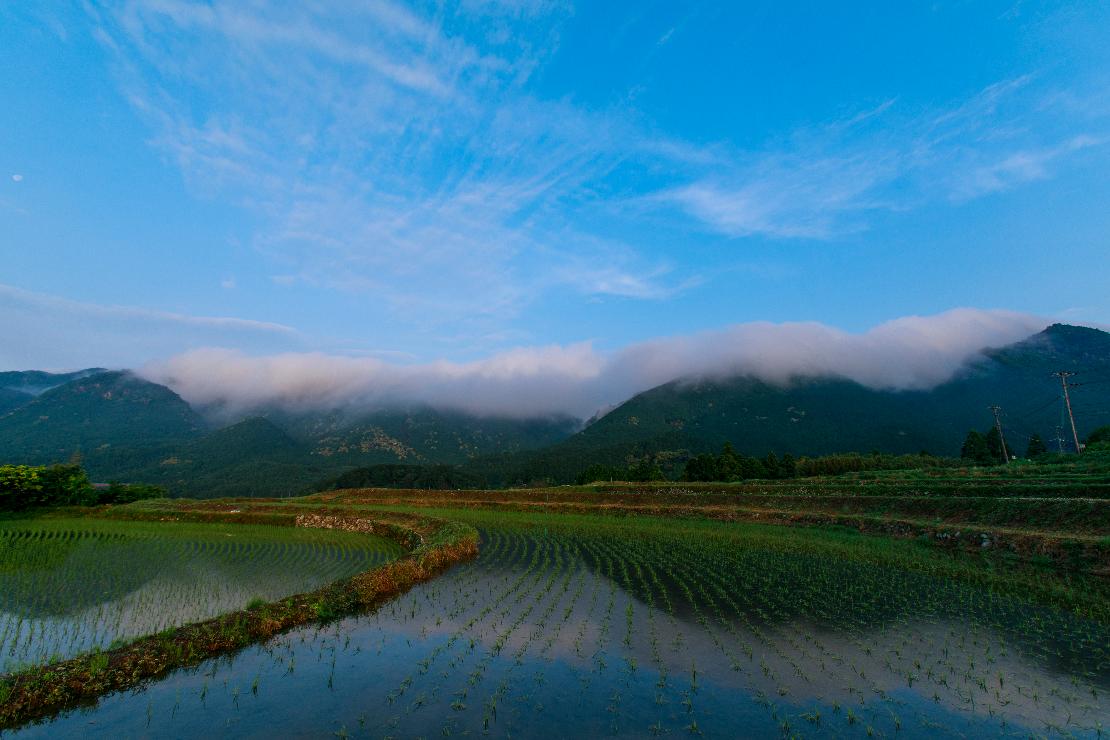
{"points": [[110, 420], [417, 435], [20, 387], [36, 382], [814, 416], [11, 399], [250, 458], [126, 428]]}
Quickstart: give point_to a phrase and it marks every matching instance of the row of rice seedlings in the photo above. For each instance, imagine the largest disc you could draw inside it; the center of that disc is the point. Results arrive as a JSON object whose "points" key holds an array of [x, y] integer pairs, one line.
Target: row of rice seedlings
{"points": [[791, 663], [859, 670], [90, 584], [796, 641], [820, 644], [795, 638], [561, 565]]}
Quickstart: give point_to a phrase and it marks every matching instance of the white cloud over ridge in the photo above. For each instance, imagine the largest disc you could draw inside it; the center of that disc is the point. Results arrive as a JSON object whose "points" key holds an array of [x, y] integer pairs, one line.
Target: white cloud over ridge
{"points": [[914, 352]]}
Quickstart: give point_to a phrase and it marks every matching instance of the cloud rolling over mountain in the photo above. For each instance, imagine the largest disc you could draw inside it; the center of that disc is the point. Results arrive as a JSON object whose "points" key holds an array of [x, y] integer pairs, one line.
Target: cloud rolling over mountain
{"points": [[914, 352]]}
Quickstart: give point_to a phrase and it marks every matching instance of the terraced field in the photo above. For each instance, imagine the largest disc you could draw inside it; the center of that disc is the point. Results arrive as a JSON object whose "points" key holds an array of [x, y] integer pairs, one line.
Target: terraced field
{"points": [[68, 586], [573, 625]]}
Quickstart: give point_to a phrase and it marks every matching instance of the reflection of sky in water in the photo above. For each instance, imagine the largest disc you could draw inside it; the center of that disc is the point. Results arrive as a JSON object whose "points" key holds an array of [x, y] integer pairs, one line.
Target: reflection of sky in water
{"points": [[503, 647], [99, 591]]}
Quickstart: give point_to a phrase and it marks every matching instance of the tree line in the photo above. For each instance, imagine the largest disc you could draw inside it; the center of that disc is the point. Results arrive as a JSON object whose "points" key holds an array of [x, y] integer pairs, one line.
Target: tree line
{"points": [[986, 448], [25, 487], [730, 465], [395, 475]]}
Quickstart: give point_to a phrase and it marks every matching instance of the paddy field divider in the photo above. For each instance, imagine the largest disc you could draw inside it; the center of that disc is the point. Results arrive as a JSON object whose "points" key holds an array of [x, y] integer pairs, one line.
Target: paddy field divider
{"points": [[432, 546]]}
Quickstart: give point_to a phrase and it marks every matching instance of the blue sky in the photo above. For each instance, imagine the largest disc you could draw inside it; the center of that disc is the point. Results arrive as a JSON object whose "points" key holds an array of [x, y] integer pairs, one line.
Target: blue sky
{"points": [[421, 182]]}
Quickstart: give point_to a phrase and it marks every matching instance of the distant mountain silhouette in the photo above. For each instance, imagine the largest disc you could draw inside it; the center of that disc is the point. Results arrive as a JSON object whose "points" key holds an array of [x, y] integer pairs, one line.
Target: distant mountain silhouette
{"points": [[35, 382], [814, 416], [126, 428], [108, 419]]}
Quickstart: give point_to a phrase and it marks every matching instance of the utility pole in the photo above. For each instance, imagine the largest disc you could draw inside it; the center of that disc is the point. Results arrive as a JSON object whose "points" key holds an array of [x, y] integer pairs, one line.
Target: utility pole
{"points": [[1063, 375], [996, 410]]}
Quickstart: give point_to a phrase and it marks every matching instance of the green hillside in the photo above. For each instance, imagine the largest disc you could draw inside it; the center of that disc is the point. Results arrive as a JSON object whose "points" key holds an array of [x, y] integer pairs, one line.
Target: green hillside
{"points": [[257, 457], [128, 429], [125, 428], [35, 382], [20, 387], [815, 416], [112, 420], [11, 399], [251, 458], [419, 435]]}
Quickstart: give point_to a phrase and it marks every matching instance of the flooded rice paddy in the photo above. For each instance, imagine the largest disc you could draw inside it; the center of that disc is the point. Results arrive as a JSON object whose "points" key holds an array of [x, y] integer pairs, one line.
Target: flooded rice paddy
{"points": [[70, 586], [567, 628]]}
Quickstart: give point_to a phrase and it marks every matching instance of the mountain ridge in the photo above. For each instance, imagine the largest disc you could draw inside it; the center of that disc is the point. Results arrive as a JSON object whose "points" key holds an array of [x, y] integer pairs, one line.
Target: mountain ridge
{"points": [[128, 428], [823, 415]]}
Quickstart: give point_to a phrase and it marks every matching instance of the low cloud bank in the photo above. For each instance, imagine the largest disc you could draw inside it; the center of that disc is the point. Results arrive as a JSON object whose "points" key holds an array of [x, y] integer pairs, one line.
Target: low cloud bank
{"points": [[915, 352]]}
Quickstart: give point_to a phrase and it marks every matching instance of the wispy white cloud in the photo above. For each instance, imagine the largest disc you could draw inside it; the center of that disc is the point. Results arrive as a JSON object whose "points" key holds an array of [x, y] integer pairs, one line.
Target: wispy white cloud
{"points": [[826, 181], [1014, 168], [403, 155], [576, 379], [43, 330], [385, 154], [789, 196]]}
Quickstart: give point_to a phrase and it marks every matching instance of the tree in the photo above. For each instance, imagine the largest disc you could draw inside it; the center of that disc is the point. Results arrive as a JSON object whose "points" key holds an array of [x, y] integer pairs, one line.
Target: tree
{"points": [[995, 449], [1099, 439], [126, 493], [1036, 447], [975, 449], [751, 467], [728, 464], [24, 487], [788, 468], [771, 464], [701, 468], [645, 470], [20, 486], [598, 472]]}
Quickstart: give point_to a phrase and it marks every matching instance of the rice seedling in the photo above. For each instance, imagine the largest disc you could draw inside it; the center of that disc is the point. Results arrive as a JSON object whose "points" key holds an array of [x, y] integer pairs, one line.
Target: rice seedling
{"points": [[634, 624], [71, 586]]}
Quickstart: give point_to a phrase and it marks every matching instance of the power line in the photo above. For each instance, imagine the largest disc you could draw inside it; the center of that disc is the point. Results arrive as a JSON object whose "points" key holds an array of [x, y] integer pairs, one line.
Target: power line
{"points": [[1019, 431], [1042, 407]]}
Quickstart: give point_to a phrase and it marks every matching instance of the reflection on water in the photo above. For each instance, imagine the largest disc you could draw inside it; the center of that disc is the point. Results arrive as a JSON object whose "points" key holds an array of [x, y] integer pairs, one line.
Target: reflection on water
{"points": [[578, 635], [69, 587]]}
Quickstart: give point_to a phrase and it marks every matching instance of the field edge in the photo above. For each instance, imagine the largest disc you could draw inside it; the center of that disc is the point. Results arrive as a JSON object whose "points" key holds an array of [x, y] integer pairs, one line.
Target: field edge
{"points": [[433, 545]]}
